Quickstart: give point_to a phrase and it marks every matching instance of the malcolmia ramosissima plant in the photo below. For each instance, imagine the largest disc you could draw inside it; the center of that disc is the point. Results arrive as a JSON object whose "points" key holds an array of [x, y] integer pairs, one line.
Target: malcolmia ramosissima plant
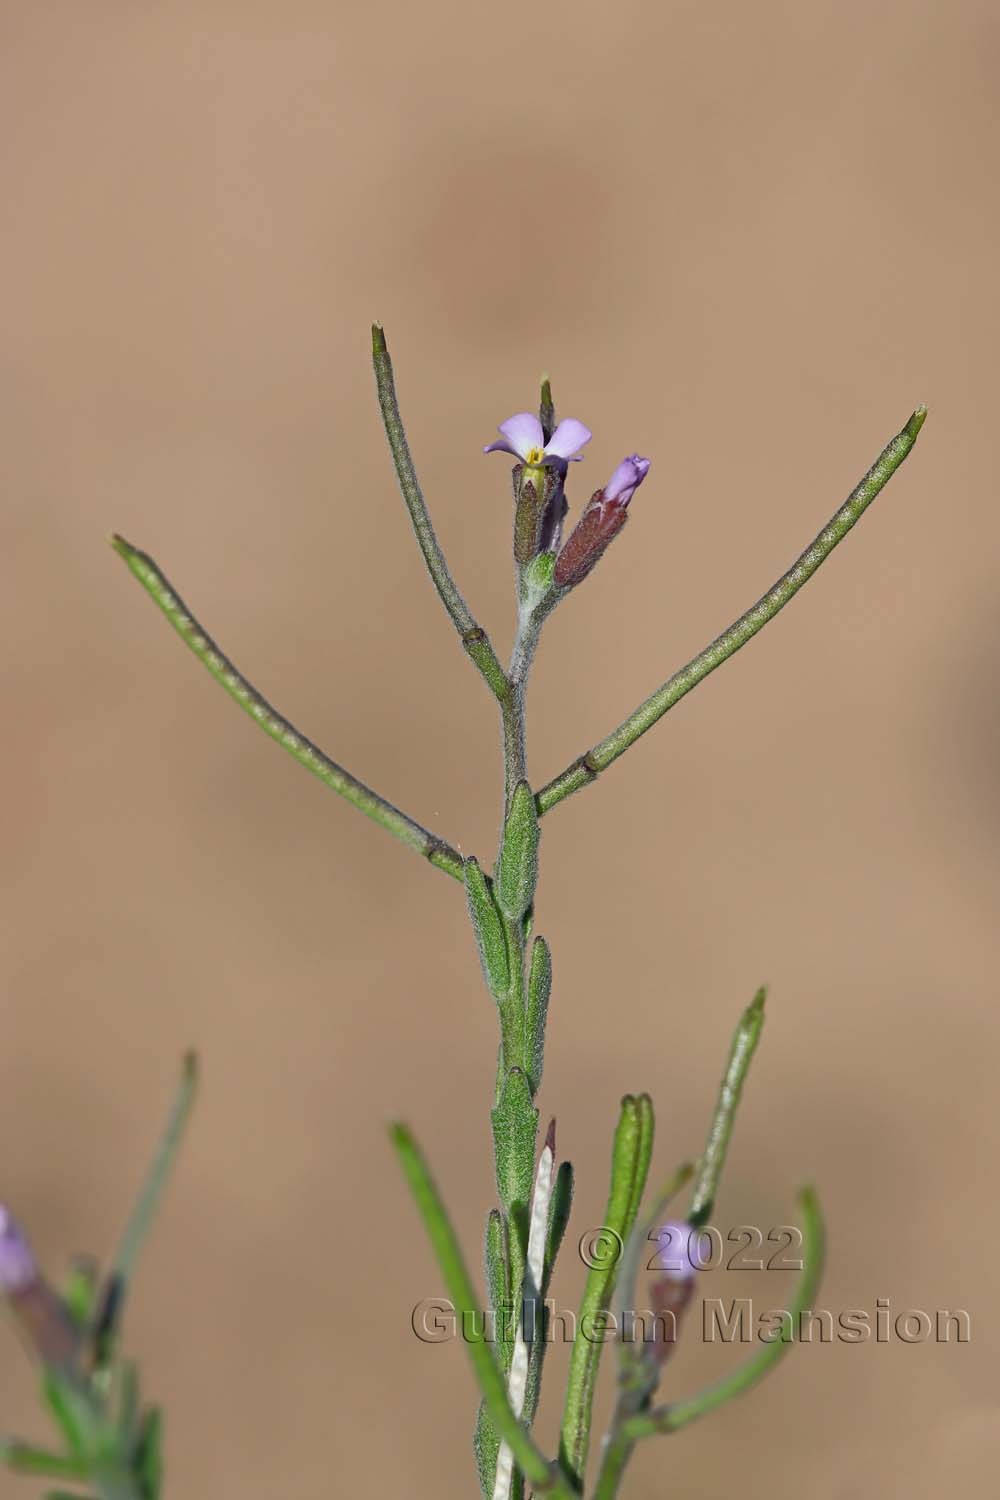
{"points": [[110, 1441]]}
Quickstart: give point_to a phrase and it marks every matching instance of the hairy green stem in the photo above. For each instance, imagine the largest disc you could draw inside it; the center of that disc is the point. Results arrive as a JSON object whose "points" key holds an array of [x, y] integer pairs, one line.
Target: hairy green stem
{"points": [[614, 1460], [587, 767], [512, 705], [472, 635], [243, 692]]}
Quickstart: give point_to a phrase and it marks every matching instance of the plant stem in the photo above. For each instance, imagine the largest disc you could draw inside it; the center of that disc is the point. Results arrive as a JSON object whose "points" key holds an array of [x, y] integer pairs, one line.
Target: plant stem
{"points": [[614, 1459], [587, 767], [239, 688], [472, 635], [630, 1157], [512, 705]]}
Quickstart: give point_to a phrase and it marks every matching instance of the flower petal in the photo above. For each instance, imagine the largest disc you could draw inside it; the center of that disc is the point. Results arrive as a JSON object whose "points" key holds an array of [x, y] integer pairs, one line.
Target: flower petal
{"points": [[501, 446], [523, 432], [567, 440], [626, 479]]}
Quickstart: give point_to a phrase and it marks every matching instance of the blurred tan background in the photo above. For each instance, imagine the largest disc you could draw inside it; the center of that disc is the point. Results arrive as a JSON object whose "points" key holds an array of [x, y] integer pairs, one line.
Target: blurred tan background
{"points": [[745, 240]]}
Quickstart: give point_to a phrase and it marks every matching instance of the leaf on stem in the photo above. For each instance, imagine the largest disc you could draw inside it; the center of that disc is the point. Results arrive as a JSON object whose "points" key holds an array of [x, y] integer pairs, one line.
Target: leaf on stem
{"points": [[515, 1126], [629, 1165], [487, 924], [539, 990], [517, 867], [540, 1474], [528, 1329], [144, 1211]]}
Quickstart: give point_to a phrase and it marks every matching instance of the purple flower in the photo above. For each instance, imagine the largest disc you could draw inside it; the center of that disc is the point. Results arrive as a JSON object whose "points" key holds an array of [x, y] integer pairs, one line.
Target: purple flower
{"points": [[626, 479], [677, 1256], [18, 1267], [524, 439], [603, 517]]}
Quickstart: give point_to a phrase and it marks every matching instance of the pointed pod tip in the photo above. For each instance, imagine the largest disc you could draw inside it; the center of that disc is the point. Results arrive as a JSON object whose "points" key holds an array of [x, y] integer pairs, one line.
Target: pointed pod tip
{"points": [[378, 339], [121, 546], [756, 1006], [550, 1136], [917, 421], [190, 1067]]}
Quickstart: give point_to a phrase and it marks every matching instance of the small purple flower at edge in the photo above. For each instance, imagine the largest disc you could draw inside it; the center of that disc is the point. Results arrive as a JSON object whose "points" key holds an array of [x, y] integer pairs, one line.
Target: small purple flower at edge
{"points": [[676, 1257], [524, 439], [626, 480], [18, 1267]]}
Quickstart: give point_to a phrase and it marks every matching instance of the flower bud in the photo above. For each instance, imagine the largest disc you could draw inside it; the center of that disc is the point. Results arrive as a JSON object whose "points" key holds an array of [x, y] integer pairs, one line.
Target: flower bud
{"points": [[603, 517], [18, 1267], [673, 1289], [537, 493], [42, 1318]]}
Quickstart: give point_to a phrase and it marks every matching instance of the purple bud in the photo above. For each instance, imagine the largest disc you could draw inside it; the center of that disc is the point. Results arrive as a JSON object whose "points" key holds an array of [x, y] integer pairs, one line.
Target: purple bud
{"points": [[603, 517], [41, 1316], [18, 1267], [626, 479], [673, 1288], [677, 1255]]}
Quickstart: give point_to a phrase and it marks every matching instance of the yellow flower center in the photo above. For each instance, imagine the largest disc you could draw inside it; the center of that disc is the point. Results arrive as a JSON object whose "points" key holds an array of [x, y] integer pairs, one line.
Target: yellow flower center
{"points": [[534, 458]]}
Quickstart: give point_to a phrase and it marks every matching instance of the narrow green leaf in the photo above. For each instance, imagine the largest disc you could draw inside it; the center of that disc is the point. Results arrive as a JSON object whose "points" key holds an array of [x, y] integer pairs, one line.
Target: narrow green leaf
{"points": [[517, 871], [744, 1045], [562, 1204], [143, 1213], [24, 1458], [149, 1455], [486, 1447], [542, 1476], [539, 990], [487, 924], [644, 1152], [72, 1411], [127, 1401], [629, 1162], [515, 1129], [497, 1269]]}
